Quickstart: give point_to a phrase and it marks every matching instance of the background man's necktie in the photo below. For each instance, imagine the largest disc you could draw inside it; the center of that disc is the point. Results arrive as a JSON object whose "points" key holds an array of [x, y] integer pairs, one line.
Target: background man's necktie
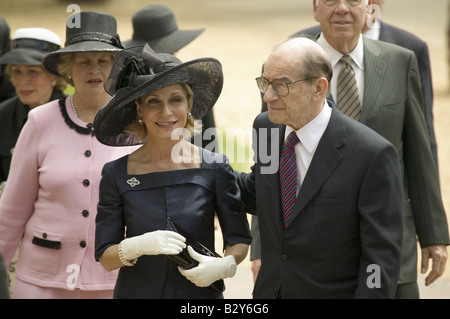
{"points": [[347, 90], [288, 176]]}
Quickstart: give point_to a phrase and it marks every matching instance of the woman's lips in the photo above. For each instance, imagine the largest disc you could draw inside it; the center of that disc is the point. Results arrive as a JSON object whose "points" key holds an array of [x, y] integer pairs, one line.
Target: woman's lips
{"points": [[95, 82], [26, 93], [166, 124]]}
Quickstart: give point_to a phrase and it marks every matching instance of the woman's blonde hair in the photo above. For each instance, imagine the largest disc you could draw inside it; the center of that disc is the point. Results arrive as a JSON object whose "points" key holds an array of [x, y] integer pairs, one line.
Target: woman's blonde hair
{"points": [[60, 84], [66, 62], [139, 131]]}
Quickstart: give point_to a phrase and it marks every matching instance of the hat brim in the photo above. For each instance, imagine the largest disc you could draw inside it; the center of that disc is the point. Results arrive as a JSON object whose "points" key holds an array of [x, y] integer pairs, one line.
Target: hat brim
{"points": [[203, 75], [50, 62], [23, 56], [170, 43]]}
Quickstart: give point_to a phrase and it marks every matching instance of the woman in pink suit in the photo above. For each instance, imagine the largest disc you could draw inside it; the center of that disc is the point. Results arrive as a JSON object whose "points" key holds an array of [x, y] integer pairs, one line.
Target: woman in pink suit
{"points": [[50, 202]]}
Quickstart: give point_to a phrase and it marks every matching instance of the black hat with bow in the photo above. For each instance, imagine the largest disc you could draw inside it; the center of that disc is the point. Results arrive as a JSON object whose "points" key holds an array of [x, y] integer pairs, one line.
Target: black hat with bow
{"points": [[138, 71]]}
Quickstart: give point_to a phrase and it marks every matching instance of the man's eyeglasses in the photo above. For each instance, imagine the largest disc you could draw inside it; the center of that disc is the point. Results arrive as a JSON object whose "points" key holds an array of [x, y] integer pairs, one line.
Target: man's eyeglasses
{"points": [[280, 87]]}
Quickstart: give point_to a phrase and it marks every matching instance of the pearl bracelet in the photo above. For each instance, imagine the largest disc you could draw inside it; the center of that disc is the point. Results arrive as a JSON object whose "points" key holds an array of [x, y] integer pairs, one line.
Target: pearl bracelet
{"points": [[124, 261]]}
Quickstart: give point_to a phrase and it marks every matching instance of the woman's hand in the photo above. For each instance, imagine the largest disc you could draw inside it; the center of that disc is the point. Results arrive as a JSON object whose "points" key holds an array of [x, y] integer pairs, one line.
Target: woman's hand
{"points": [[209, 269], [159, 242]]}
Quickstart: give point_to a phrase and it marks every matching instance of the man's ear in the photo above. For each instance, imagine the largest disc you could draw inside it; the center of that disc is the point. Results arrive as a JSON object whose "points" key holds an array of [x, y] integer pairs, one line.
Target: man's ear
{"points": [[316, 17], [321, 88]]}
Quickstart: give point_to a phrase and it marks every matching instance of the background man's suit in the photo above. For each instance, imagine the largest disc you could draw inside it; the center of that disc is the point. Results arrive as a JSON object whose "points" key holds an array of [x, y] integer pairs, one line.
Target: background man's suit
{"points": [[392, 101], [392, 107], [347, 216]]}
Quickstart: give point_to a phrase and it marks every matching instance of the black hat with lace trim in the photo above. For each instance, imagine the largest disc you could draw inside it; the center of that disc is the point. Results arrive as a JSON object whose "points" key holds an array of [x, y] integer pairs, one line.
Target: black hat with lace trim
{"points": [[86, 31], [140, 70]]}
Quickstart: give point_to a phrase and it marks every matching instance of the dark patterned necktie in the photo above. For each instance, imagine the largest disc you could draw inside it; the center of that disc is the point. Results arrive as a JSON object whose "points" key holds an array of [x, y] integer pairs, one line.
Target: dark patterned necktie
{"points": [[288, 176], [347, 90]]}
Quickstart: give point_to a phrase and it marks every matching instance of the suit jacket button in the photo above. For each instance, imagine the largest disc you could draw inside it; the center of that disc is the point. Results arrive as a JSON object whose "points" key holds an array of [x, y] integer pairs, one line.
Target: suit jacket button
{"points": [[82, 244], [284, 257], [85, 213], [86, 182], [88, 153]]}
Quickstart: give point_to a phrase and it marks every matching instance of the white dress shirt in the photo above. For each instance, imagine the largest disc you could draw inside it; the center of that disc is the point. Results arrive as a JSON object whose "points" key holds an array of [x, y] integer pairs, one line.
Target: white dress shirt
{"points": [[357, 63], [309, 136]]}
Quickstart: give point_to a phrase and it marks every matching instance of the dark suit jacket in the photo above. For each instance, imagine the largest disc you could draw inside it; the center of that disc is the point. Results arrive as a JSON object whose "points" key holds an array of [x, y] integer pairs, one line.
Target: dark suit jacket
{"points": [[392, 34], [348, 215]]}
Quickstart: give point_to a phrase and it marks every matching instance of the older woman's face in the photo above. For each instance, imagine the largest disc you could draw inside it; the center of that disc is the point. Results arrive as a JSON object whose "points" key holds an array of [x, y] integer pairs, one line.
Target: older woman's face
{"points": [[34, 86], [90, 71], [163, 111]]}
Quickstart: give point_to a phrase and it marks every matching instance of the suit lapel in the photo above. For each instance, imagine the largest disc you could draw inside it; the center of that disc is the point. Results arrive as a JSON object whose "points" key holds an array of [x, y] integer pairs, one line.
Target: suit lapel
{"points": [[374, 68], [325, 161]]}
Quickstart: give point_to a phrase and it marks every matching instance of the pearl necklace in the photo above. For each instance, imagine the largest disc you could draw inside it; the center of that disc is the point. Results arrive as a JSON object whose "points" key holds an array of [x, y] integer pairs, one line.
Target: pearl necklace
{"points": [[73, 106]]}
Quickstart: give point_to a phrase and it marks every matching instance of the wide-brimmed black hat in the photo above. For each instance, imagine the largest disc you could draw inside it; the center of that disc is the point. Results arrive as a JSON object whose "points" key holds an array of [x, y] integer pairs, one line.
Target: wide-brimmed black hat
{"points": [[29, 46], [156, 25], [86, 31], [138, 71]]}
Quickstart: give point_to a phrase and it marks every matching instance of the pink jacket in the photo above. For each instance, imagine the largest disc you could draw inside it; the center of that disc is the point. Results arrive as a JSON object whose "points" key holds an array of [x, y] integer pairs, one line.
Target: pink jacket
{"points": [[51, 199]]}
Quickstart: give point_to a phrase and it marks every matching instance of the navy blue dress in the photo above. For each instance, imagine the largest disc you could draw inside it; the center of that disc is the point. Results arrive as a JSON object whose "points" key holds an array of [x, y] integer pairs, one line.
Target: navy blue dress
{"points": [[131, 205]]}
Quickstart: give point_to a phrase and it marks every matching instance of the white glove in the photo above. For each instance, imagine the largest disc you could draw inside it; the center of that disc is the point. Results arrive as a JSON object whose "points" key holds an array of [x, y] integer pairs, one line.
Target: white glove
{"points": [[159, 242], [209, 269]]}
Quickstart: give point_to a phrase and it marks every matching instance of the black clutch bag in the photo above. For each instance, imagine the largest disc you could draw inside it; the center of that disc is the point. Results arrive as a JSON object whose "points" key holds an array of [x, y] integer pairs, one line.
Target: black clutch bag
{"points": [[185, 260]]}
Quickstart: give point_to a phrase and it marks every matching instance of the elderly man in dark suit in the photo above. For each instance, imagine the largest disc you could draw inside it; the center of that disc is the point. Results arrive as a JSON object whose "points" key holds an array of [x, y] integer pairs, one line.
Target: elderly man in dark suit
{"points": [[341, 236], [391, 103], [392, 106]]}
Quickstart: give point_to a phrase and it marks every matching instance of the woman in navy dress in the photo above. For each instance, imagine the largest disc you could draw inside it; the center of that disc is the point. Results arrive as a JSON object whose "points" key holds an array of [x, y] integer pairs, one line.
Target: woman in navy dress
{"points": [[156, 98]]}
